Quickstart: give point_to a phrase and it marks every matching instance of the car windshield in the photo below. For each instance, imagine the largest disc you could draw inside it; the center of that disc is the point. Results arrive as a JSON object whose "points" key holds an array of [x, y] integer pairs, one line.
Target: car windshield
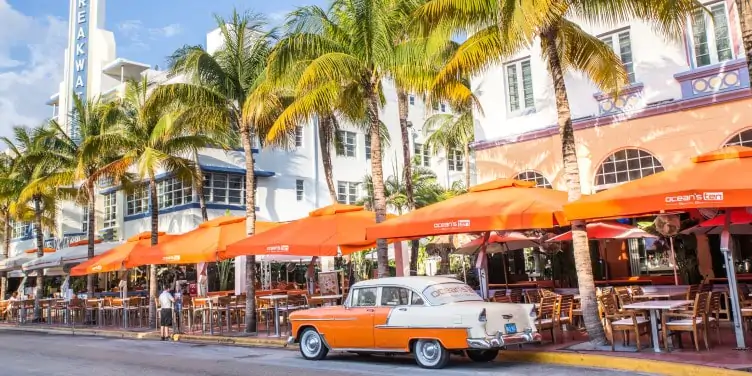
{"points": [[445, 293]]}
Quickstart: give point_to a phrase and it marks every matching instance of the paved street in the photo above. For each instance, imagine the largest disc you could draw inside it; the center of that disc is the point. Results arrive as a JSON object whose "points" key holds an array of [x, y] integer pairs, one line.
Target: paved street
{"points": [[45, 355]]}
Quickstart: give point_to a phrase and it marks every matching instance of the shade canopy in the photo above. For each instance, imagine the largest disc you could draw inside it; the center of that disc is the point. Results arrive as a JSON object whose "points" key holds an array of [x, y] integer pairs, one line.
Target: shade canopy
{"points": [[740, 224], [606, 230], [327, 231], [500, 242], [202, 244], [66, 256], [502, 204], [15, 262], [718, 179], [114, 259]]}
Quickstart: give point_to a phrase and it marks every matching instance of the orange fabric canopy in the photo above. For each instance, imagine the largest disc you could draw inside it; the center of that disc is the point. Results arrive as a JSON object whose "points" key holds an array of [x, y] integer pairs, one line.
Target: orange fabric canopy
{"points": [[719, 179], [199, 245], [114, 259], [502, 204], [606, 230], [320, 234], [84, 242], [45, 250]]}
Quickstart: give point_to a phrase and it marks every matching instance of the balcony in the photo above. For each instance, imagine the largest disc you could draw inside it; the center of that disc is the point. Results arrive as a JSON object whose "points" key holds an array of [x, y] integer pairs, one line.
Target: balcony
{"points": [[715, 79], [629, 98]]}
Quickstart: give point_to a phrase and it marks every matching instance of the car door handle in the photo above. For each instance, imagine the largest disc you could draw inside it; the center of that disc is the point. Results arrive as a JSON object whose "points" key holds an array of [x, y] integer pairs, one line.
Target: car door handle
{"points": [[402, 309], [370, 310]]}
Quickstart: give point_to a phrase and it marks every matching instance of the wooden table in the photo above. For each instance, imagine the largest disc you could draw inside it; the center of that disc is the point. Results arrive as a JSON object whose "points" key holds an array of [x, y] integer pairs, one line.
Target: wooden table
{"points": [[326, 298], [275, 300], [654, 306]]}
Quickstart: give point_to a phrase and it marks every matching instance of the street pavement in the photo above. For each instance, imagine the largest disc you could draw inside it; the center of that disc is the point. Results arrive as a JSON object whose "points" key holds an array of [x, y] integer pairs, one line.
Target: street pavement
{"points": [[32, 354]]}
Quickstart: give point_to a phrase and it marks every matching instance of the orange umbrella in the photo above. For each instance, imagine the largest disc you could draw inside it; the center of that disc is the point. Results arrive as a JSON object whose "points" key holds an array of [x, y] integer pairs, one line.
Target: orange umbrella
{"points": [[500, 242], [322, 233], [199, 245], [606, 230], [502, 204], [45, 250], [719, 179], [114, 259]]}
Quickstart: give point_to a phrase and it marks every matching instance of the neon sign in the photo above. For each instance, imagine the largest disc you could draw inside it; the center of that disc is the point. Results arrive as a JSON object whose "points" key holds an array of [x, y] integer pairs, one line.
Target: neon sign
{"points": [[80, 53]]}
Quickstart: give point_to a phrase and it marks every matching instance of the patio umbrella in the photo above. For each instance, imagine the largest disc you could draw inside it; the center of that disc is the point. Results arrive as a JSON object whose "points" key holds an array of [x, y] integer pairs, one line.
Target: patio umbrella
{"points": [[202, 244], [114, 259], [717, 180], [606, 230], [328, 231], [500, 242], [741, 224], [65, 256]]}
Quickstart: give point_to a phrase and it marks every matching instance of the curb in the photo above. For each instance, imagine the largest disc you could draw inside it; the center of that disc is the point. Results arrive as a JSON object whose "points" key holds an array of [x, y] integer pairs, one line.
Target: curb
{"points": [[83, 332], [655, 367], [236, 341]]}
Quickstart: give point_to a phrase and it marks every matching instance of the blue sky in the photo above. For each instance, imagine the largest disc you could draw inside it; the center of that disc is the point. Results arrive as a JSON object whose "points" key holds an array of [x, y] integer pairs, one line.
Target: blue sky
{"points": [[33, 39]]}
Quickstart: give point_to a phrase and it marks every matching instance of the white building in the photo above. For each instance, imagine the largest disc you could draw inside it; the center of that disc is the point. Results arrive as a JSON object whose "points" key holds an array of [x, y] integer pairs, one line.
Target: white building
{"points": [[290, 183]]}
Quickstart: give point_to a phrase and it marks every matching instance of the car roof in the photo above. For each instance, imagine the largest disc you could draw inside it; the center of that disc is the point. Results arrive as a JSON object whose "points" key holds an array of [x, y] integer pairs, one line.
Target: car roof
{"points": [[418, 283]]}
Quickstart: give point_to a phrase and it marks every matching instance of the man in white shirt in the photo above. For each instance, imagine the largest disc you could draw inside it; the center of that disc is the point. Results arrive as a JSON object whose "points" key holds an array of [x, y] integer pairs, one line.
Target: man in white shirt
{"points": [[166, 302]]}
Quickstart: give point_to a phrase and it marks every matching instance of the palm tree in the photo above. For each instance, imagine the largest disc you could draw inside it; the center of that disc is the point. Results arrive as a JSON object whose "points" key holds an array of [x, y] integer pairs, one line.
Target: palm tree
{"points": [[152, 140], [349, 46], [6, 200], [744, 12], [426, 188], [224, 83], [501, 29]]}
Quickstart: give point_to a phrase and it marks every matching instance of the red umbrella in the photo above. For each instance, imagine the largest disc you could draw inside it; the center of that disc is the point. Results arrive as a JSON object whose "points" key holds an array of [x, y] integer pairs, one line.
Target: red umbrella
{"points": [[741, 224], [500, 242], [606, 230]]}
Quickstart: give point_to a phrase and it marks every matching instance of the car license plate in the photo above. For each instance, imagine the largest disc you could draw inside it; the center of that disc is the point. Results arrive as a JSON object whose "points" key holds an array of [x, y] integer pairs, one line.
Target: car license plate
{"points": [[510, 328]]}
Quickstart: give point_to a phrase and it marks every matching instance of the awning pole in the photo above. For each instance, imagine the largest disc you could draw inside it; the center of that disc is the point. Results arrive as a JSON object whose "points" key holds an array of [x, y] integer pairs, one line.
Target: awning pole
{"points": [[482, 265], [731, 275], [673, 260]]}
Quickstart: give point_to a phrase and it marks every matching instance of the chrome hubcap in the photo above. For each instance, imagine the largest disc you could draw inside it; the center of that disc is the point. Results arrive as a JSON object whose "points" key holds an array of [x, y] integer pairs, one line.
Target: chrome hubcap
{"points": [[429, 352], [311, 343]]}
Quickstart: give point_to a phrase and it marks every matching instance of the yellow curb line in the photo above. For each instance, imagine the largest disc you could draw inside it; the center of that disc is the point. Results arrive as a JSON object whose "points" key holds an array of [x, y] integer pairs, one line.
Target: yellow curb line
{"points": [[241, 341], [656, 367]]}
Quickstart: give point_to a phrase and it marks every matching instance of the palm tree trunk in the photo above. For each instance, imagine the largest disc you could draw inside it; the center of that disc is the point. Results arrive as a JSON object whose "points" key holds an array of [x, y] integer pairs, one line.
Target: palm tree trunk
{"points": [[6, 251], [326, 136], [40, 253], [90, 208], [403, 109], [154, 207], [744, 12], [198, 186], [572, 174], [250, 223], [377, 173], [467, 165]]}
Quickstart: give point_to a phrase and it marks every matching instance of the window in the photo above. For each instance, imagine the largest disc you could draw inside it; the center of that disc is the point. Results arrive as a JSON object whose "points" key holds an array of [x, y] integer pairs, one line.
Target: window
{"points": [[443, 107], [743, 138], [346, 144], [711, 40], [85, 220], [173, 192], [412, 100], [452, 292], [298, 136], [20, 229], [534, 176], [395, 296], [347, 192], [624, 166], [622, 45], [368, 147], [519, 85], [228, 189], [299, 189], [421, 152], [137, 202], [364, 297], [455, 160], [415, 299], [110, 210]]}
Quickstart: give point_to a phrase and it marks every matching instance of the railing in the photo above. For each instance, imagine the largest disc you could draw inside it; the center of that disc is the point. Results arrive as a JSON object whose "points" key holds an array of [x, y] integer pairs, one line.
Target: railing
{"points": [[714, 79]]}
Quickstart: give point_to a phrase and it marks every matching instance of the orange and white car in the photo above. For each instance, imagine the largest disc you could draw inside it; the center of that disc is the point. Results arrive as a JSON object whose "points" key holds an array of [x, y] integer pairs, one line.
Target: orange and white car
{"points": [[430, 317]]}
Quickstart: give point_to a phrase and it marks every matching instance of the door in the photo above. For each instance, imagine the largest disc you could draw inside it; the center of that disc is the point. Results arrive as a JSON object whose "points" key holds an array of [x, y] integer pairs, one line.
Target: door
{"points": [[352, 327], [385, 337]]}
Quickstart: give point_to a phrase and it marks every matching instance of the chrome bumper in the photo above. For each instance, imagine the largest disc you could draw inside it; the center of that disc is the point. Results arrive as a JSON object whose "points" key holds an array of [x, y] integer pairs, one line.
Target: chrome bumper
{"points": [[290, 340], [500, 340]]}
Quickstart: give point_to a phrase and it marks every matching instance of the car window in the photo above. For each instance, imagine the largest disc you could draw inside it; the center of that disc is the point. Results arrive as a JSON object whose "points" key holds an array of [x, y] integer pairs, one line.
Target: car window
{"points": [[364, 297], [394, 296], [415, 299], [444, 293]]}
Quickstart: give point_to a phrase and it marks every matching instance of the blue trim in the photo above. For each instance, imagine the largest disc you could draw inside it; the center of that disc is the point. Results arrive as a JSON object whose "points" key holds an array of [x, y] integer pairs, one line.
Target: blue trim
{"points": [[253, 150], [165, 176], [74, 234], [190, 205]]}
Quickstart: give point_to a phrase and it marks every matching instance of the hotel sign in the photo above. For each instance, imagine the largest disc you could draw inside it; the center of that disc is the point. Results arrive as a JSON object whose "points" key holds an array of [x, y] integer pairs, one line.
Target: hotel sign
{"points": [[79, 49]]}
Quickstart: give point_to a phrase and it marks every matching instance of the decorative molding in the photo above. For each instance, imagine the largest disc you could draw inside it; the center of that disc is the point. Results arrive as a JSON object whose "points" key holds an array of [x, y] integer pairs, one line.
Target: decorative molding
{"points": [[626, 100], [713, 79]]}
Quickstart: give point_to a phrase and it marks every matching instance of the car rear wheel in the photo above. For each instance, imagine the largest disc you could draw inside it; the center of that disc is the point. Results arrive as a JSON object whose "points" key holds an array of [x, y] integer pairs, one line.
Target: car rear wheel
{"points": [[312, 345], [482, 356], [429, 353]]}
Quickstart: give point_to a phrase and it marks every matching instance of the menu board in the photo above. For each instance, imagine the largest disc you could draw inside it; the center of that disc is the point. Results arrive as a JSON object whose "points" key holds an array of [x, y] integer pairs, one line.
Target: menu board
{"points": [[329, 283]]}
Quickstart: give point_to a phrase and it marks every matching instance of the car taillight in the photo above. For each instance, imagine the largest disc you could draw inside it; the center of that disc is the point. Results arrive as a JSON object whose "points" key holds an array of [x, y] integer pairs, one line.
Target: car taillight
{"points": [[482, 317]]}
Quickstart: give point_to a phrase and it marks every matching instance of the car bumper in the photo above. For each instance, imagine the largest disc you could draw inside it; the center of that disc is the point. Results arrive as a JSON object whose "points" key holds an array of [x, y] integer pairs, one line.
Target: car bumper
{"points": [[290, 340], [501, 340]]}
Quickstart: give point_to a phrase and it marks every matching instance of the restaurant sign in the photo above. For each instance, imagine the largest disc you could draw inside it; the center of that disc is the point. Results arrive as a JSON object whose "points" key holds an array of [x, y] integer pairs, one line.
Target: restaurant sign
{"points": [[695, 198], [278, 248], [460, 223], [79, 50]]}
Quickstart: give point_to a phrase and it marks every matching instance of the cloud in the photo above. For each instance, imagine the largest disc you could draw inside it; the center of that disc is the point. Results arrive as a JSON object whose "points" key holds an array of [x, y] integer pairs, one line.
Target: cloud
{"points": [[31, 66], [167, 31], [139, 36]]}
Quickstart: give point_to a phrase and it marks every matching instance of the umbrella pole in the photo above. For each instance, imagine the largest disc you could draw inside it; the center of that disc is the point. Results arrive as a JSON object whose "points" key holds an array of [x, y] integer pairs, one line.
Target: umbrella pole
{"points": [[482, 265], [464, 269], [673, 260], [731, 275], [504, 265]]}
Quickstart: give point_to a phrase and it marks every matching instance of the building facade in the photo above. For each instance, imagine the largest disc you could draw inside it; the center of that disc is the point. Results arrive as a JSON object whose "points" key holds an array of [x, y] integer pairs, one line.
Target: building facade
{"points": [[686, 97]]}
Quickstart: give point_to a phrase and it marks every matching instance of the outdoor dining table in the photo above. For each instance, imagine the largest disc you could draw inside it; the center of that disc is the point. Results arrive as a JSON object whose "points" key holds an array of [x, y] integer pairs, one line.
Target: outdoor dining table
{"points": [[326, 298], [654, 306], [275, 300]]}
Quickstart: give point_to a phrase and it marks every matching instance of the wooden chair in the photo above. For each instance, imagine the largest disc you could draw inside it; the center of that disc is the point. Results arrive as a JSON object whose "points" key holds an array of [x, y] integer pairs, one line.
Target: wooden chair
{"points": [[500, 294], [516, 295], [564, 308], [694, 322], [501, 299], [546, 319], [201, 311], [624, 321], [533, 296], [714, 314]]}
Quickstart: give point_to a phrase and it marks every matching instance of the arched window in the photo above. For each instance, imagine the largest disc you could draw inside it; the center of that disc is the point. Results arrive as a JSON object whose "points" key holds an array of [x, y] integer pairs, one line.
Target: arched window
{"points": [[536, 177], [743, 138], [626, 165]]}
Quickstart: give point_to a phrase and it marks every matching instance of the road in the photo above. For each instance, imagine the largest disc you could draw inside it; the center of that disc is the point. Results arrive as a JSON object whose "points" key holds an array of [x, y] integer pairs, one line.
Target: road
{"points": [[28, 354]]}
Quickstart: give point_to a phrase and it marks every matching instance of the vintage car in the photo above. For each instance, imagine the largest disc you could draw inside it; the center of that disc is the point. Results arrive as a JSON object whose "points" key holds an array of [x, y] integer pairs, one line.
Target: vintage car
{"points": [[430, 317]]}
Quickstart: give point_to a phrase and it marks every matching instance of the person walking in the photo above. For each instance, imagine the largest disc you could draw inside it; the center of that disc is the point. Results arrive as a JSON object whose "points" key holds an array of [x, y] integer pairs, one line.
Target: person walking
{"points": [[166, 301]]}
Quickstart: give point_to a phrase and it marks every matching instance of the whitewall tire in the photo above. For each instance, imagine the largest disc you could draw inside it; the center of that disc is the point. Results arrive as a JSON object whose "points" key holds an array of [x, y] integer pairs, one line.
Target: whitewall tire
{"points": [[312, 345], [429, 353]]}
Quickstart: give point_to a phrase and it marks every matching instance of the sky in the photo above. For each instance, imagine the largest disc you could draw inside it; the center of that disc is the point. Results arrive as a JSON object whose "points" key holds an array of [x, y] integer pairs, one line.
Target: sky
{"points": [[33, 40]]}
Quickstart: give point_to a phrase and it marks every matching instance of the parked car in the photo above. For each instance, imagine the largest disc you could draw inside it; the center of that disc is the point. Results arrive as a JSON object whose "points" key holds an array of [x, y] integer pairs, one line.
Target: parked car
{"points": [[429, 317]]}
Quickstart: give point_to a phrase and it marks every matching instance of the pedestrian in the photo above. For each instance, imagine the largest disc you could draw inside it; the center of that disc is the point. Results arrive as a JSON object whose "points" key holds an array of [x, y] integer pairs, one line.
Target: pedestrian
{"points": [[166, 302]]}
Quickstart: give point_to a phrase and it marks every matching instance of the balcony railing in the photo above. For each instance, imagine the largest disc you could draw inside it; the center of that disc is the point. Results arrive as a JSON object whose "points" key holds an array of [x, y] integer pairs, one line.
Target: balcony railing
{"points": [[714, 79], [629, 98]]}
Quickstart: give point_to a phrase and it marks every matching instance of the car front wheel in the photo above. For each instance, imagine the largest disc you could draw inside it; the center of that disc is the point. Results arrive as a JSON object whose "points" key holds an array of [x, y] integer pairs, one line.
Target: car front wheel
{"points": [[482, 356], [312, 345], [429, 353]]}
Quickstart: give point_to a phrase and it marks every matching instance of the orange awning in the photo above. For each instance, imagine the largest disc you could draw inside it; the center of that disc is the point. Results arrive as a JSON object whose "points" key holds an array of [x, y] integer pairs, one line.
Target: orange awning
{"points": [[114, 259], [719, 179], [84, 242], [45, 250], [322, 233], [502, 204], [606, 230], [199, 245]]}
